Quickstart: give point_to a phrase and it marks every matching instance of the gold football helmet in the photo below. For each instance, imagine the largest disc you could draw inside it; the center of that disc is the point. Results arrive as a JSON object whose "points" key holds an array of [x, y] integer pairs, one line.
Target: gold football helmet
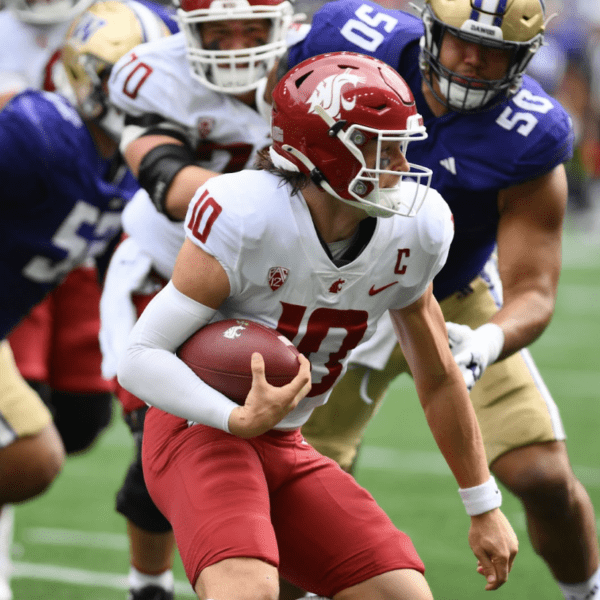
{"points": [[514, 25], [94, 43]]}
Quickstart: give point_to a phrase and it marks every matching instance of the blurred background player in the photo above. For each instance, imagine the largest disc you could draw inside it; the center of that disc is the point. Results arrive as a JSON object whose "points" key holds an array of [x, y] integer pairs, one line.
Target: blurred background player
{"points": [[56, 347], [94, 177], [190, 105], [246, 496], [31, 34], [567, 68], [497, 147]]}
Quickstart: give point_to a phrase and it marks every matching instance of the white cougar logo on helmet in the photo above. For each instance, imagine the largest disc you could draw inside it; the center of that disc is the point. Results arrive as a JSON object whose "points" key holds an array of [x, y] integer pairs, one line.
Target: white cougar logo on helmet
{"points": [[328, 94]]}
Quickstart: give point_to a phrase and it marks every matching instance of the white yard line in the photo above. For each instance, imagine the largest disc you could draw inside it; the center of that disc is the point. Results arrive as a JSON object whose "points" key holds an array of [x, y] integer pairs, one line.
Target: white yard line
{"points": [[432, 463], [371, 457], [72, 537], [56, 573]]}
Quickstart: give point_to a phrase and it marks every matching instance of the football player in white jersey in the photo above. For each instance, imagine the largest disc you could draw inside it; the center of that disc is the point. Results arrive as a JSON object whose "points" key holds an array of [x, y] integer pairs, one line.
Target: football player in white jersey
{"points": [[189, 118], [464, 61], [99, 184], [31, 34], [245, 495]]}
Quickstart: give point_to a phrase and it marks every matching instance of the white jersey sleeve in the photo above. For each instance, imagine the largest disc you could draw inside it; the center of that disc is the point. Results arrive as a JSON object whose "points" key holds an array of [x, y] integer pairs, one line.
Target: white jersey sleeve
{"points": [[146, 79], [232, 228]]}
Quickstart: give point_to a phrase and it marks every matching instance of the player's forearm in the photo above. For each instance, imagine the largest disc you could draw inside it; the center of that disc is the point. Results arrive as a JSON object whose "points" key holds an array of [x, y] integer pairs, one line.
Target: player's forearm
{"points": [[150, 369], [452, 421], [529, 239], [523, 318]]}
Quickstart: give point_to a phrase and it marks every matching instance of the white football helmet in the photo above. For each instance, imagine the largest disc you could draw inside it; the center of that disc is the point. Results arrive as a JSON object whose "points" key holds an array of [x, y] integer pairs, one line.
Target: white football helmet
{"points": [[47, 12], [514, 25], [94, 43], [233, 71]]}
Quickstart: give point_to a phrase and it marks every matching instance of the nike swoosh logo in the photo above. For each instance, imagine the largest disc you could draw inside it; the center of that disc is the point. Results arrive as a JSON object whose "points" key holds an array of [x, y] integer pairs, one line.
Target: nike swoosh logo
{"points": [[374, 291]]}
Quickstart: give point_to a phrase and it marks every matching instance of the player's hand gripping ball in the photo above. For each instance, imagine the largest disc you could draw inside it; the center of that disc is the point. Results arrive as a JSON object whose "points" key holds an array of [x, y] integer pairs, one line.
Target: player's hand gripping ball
{"points": [[220, 354]]}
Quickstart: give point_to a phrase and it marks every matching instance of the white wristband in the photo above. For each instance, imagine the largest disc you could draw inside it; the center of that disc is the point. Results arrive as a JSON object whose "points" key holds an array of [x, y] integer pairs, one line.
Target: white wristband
{"points": [[481, 498]]}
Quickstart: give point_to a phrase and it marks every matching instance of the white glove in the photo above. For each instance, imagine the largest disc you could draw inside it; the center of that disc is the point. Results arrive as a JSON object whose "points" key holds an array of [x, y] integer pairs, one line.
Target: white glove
{"points": [[474, 349]]}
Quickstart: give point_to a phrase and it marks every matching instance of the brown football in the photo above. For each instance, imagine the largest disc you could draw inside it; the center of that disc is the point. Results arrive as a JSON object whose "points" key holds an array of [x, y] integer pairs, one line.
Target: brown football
{"points": [[220, 354]]}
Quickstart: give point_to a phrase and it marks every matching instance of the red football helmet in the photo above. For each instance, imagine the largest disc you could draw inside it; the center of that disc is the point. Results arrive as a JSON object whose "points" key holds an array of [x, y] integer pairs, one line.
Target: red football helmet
{"points": [[327, 108], [238, 70]]}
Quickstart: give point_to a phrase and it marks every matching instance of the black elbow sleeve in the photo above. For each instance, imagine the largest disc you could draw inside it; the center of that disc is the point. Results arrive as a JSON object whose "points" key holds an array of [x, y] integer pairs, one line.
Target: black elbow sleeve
{"points": [[159, 167]]}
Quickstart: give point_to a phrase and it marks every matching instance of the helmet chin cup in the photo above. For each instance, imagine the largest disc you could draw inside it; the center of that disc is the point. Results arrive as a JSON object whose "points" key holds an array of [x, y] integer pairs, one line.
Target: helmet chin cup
{"points": [[404, 199], [466, 98]]}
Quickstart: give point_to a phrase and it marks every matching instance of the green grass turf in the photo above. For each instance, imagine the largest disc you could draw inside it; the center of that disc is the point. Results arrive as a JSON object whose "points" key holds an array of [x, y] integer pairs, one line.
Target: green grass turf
{"points": [[71, 544]]}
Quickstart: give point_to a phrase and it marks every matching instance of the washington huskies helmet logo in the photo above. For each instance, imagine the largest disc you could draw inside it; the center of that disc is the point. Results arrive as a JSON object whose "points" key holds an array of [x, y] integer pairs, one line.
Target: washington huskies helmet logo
{"points": [[328, 94], [87, 27]]}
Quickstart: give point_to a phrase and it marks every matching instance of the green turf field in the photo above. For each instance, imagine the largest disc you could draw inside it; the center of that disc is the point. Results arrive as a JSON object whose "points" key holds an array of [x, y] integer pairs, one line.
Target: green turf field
{"points": [[71, 544]]}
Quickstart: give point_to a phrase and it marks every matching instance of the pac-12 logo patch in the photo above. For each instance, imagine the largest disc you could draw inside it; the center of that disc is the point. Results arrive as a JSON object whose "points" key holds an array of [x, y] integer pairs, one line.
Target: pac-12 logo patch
{"points": [[277, 277]]}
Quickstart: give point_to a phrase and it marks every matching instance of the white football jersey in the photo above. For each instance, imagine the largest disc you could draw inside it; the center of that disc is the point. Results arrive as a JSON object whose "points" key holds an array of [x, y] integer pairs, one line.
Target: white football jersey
{"points": [[28, 53], [281, 276], [155, 234], [155, 78]]}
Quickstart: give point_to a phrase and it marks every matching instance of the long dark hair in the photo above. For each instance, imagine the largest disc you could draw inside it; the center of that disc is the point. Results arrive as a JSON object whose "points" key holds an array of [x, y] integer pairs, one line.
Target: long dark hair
{"points": [[296, 179]]}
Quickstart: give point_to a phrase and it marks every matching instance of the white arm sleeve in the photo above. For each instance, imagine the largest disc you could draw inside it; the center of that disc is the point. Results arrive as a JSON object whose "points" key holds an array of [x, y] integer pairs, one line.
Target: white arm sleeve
{"points": [[151, 370]]}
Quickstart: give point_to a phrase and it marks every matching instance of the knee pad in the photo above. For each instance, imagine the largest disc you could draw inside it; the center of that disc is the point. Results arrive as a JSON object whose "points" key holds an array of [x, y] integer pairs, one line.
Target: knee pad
{"points": [[80, 418]]}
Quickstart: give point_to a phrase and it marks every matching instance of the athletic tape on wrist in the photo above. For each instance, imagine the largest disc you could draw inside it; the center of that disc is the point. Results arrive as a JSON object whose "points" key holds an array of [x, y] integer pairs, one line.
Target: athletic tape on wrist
{"points": [[481, 498]]}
